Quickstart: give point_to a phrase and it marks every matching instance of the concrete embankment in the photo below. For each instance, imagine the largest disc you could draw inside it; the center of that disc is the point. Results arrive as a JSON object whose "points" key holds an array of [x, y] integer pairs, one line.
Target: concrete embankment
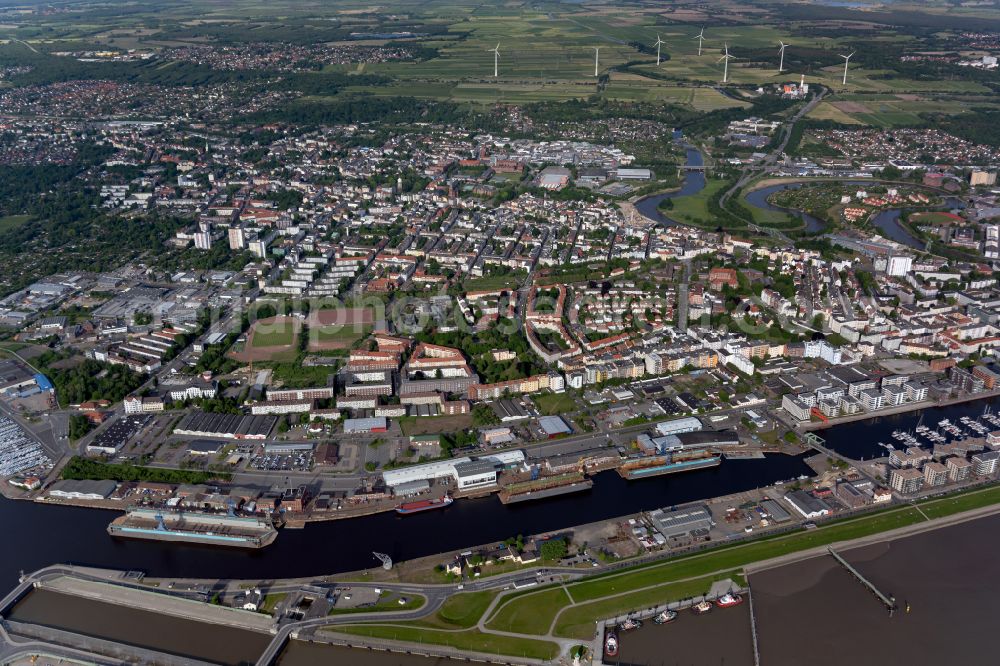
{"points": [[159, 603]]}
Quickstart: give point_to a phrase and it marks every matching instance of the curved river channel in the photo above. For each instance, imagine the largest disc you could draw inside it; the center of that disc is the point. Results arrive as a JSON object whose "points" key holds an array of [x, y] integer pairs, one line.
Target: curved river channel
{"points": [[694, 182]]}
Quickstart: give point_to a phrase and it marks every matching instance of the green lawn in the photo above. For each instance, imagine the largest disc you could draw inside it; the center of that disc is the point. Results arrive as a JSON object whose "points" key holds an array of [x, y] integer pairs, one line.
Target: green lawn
{"points": [[272, 335], [270, 601], [465, 609], [555, 403], [471, 640], [530, 614], [975, 499]]}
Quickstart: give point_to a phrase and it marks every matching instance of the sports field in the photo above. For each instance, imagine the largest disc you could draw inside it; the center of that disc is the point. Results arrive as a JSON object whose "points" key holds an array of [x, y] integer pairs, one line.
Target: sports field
{"points": [[339, 328], [272, 339]]}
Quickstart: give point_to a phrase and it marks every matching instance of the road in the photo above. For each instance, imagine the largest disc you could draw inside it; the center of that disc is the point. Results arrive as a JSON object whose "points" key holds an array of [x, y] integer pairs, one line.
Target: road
{"points": [[770, 162]]}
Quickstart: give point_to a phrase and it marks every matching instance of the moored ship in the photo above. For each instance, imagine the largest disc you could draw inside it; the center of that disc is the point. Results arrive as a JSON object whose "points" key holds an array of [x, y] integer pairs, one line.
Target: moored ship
{"points": [[424, 505], [665, 617], [639, 468], [194, 527], [611, 645], [630, 624], [727, 600], [702, 607]]}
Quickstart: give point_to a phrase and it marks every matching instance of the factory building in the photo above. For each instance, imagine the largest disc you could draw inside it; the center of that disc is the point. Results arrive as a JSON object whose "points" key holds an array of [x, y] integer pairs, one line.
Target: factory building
{"points": [[683, 522], [678, 426], [465, 472], [807, 505]]}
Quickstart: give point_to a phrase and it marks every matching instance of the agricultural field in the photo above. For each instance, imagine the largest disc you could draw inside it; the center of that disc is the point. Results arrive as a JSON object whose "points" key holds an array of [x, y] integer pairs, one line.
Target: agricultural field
{"points": [[548, 53]]}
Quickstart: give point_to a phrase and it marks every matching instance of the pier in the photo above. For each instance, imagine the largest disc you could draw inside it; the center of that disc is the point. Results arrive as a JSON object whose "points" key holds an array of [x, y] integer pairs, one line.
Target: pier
{"points": [[888, 601]]}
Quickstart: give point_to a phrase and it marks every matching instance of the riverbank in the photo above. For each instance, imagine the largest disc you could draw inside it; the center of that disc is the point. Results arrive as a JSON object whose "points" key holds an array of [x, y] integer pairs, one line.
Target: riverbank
{"points": [[893, 411]]}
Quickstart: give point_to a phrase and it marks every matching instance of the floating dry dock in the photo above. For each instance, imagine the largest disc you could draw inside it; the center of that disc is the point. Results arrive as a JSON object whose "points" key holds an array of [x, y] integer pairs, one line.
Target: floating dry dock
{"points": [[549, 486], [194, 527], [640, 468]]}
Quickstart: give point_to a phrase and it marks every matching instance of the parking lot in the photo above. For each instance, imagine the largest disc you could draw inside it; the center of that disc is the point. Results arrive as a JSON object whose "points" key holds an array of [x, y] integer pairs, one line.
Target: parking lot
{"points": [[298, 462]]}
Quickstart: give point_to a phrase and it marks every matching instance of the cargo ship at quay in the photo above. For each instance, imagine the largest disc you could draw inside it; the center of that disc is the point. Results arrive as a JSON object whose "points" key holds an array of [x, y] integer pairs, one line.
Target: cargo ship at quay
{"points": [[153, 524]]}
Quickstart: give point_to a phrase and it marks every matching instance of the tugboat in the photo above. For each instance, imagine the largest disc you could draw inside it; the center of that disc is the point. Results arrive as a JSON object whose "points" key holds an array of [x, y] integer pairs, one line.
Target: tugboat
{"points": [[665, 617], [728, 599], [611, 645], [702, 607], [629, 624]]}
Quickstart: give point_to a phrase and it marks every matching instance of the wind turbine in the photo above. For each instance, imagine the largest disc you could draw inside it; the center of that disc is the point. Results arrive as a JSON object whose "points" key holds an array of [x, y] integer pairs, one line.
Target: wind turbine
{"points": [[659, 42], [496, 59], [597, 55], [847, 59], [781, 65], [700, 37], [727, 58]]}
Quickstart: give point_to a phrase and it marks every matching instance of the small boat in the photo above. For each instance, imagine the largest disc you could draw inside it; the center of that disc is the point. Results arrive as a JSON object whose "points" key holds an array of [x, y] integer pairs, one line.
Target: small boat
{"points": [[702, 607], [424, 505], [727, 600], [611, 645], [665, 617], [629, 625]]}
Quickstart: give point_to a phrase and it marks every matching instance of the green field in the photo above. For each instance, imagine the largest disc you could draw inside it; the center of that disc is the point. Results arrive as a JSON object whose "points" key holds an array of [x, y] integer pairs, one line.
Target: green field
{"points": [[433, 425], [492, 282], [694, 209], [533, 617], [9, 222], [552, 404], [273, 336], [339, 335], [470, 640]]}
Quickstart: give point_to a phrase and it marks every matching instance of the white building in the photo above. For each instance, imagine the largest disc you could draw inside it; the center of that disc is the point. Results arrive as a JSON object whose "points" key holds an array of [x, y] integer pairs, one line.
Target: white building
{"points": [[899, 265], [678, 426], [237, 239]]}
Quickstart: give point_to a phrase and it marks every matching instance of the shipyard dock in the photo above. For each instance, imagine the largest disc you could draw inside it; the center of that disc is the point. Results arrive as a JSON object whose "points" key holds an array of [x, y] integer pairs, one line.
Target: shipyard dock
{"points": [[194, 527], [670, 463], [547, 486]]}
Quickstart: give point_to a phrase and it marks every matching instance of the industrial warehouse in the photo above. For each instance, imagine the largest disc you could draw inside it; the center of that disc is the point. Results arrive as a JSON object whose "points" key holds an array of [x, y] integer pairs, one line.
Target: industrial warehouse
{"points": [[229, 426], [466, 473]]}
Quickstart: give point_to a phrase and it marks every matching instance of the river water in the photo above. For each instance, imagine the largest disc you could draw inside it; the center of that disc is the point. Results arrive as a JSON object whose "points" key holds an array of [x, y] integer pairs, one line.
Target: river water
{"points": [[815, 613], [694, 182], [47, 534], [887, 220]]}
